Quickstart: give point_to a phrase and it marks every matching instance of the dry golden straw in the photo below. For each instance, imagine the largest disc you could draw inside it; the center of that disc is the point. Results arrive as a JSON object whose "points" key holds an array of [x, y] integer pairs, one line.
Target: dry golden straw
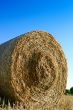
{"points": [[33, 70]]}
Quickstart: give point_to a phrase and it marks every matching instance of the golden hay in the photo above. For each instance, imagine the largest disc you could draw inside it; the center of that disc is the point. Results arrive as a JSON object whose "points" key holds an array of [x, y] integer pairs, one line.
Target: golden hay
{"points": [[33, 70]]}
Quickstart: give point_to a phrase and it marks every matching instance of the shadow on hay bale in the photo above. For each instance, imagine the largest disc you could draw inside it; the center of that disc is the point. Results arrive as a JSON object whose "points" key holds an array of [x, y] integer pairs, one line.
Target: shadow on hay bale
{"points": [[33, 70]]}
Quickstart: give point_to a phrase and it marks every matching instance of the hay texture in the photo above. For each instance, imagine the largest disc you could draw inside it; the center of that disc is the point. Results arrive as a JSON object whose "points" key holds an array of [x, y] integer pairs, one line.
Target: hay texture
{"points": [[33, 70]]}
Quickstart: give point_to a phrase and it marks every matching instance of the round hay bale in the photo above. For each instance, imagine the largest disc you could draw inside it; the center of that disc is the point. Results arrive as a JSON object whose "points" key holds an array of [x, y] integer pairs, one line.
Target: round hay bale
{"points": [[33, 70]]}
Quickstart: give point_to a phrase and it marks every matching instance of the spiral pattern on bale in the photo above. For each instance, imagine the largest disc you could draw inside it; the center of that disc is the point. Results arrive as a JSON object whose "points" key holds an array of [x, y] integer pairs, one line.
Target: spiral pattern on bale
{"points": [[36, 70]]}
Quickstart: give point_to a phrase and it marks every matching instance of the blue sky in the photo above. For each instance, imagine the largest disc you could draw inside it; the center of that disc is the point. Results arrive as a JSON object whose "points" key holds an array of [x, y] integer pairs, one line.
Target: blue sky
{"points": [[53, 16]]}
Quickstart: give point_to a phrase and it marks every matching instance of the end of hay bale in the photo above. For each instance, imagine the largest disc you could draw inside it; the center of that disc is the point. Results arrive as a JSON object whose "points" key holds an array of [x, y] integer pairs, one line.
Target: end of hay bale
{"points": [[41, 60]]}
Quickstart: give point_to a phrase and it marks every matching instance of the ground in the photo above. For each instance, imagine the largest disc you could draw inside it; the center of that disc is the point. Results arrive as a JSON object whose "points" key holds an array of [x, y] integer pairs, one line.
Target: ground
{"points": [[66, 103]]}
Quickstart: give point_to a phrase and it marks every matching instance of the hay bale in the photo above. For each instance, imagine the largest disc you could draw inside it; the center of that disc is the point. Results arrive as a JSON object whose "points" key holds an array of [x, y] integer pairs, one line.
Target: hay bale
{"points": [[33, 70]]}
